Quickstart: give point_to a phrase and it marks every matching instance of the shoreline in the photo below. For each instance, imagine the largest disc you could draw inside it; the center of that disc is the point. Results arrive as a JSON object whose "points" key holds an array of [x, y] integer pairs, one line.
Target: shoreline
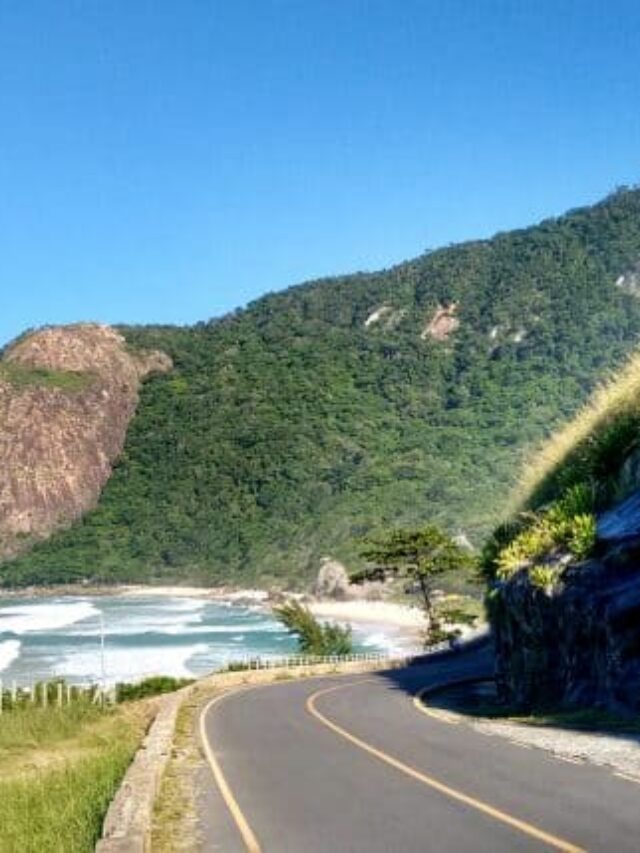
{"points": [[402, 622]]}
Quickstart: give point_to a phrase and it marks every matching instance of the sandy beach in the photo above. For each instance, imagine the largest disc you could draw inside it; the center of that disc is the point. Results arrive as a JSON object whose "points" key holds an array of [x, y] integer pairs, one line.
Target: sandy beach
{"points": [[402, 623], [377, 612]]}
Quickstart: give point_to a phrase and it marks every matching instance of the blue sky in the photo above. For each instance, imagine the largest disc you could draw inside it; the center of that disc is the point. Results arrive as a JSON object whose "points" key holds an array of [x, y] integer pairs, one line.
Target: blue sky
{"points": [[168, 161]]}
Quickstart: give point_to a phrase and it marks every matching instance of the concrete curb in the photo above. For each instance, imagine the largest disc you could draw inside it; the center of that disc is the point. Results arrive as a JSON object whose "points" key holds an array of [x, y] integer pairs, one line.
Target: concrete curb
{"points": [[127, 825]]}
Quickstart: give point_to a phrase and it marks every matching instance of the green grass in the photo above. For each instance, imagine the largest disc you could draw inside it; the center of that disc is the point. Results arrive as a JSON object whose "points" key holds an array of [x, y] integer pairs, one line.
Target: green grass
{"points": [[38, 727], [23, 376], [577, 472], [154, 686], [591, 448], [59, 769], [61, 811]]}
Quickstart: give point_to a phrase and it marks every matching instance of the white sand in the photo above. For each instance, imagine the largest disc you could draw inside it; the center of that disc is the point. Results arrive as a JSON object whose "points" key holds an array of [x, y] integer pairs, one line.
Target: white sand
{"points": [[213, 593], [372, 612]]}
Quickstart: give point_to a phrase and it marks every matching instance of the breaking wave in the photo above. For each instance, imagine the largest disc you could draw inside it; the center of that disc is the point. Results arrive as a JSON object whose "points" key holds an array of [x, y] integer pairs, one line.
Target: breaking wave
{"points": [[49, 616], [9, 651]]}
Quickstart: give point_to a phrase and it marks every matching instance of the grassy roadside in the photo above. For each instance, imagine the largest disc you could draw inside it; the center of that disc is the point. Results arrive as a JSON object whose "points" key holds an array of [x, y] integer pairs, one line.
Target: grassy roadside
{"points": [[59, 769]]}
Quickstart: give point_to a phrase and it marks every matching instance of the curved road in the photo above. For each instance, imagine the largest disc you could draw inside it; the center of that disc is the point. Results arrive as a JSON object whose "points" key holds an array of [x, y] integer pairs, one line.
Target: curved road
{"points": [[349, 764]]}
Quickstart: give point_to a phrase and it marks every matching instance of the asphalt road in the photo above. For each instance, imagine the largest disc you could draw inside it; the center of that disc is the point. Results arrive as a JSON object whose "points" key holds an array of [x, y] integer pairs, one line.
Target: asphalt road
{"points": [[349, 764]]}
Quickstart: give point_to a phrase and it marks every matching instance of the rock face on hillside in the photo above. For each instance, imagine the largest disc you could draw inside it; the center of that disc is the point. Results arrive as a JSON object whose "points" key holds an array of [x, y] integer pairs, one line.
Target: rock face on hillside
{"points": [[332, 580], [581, 643], [67, 395]]}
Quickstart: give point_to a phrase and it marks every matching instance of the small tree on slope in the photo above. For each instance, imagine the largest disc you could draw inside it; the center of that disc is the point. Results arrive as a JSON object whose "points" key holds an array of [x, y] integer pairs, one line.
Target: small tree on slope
{"points": [[420, 555]]}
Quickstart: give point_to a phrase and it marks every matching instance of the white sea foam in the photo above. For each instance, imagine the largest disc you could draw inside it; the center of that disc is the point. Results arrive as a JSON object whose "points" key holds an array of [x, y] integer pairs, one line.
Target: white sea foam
{"points": [[9, 651], [152, 626], [379, 641], [261, 628], [174, 618], [49, 616], [130, 664], [186, 605]]}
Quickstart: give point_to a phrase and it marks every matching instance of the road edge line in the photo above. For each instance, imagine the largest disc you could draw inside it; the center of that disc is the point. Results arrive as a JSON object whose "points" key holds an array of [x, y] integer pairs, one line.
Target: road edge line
{"points": [[248, 836], [450, 717]]}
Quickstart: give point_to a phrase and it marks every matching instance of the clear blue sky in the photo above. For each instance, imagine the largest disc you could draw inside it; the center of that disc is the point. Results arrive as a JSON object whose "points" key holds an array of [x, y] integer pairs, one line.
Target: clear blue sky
{"points": [[168, 160]]}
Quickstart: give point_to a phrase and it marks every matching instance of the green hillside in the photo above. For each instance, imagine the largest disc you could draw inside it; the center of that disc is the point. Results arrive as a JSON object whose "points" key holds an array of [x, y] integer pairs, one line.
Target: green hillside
{"points": [[289, 430]]}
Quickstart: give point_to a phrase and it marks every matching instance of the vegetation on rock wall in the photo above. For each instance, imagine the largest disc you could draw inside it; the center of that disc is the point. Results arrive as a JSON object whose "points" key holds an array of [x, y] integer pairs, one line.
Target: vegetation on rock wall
{"points": [[333, 411]]}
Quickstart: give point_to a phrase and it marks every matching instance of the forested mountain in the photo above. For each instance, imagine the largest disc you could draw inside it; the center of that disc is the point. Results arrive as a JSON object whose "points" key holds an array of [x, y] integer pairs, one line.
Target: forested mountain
{"points": [[291, 429]]}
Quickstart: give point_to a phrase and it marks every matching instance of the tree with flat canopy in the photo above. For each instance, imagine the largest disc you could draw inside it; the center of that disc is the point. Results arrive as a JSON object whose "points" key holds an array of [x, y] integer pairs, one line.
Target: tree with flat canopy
{"points": [[421, 556]]}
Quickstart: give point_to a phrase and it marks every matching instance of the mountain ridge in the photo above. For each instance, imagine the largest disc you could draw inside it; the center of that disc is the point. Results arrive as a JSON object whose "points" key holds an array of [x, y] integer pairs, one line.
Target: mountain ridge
{"points": [[291, 429]]}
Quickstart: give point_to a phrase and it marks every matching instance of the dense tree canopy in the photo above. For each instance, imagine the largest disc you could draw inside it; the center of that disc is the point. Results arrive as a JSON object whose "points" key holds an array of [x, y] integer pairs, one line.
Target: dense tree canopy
{"points": [[295, 427]]}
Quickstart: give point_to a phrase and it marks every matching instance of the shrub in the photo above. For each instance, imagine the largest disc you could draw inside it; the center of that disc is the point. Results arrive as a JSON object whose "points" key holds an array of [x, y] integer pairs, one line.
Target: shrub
{"points": [[314, 637], [582, 536], [150, 687], [544, 577], [569, 524]]}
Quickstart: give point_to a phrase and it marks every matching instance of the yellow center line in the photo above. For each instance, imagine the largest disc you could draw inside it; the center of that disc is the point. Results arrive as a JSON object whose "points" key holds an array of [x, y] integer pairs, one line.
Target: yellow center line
{"points": [[434, 713], [248, 836], [528, 829]]}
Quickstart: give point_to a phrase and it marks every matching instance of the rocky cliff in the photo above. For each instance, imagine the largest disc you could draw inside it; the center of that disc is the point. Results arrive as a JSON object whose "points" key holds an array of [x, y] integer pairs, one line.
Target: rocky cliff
{"points": [[67, 395], [578, 642]]}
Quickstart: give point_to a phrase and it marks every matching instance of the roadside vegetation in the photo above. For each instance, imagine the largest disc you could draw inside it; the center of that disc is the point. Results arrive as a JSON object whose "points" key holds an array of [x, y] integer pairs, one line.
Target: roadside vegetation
{"points": [[588, 451], [62, 757], [315, 638], [546, 542], [575, 474], [59, 770]]}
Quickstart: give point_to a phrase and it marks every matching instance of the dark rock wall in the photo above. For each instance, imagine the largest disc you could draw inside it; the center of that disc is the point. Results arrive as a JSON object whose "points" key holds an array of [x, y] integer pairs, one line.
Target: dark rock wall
{"points": [[578, 645]]}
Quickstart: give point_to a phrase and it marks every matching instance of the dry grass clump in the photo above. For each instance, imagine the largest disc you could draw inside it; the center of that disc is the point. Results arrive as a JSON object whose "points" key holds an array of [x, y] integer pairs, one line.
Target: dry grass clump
{"points": [[592, 447]]}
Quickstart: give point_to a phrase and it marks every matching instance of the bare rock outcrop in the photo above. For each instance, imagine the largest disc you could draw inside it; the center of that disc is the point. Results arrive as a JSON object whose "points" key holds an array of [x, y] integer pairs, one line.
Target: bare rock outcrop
{"points": [[442, 324], [629, 281], [67, 395], [332, 581]]}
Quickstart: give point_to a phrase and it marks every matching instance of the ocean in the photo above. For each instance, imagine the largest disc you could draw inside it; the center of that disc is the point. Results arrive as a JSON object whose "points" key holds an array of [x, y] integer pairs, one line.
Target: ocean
{"points": [[60, 637]]}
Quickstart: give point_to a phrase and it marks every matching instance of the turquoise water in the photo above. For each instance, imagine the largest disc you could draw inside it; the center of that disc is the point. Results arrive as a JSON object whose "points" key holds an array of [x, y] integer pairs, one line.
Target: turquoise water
{"points": [[144, 636]]}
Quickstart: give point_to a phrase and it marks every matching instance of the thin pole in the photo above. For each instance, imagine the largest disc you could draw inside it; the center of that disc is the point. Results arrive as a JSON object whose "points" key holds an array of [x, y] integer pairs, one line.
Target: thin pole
{"points": [[102, 663]]}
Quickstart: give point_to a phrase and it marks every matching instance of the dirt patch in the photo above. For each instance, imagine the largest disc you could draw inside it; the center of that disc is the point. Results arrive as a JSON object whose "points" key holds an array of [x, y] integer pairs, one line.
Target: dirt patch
{"points": [[442, 324]]}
